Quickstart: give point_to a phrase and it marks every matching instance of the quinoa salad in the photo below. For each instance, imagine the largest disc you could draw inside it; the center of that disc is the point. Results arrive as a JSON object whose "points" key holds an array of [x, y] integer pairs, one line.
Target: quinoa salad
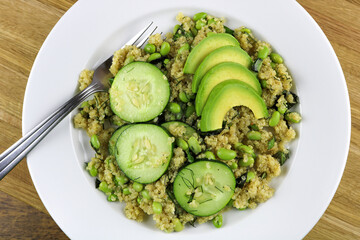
{"points": [[195, 123]]}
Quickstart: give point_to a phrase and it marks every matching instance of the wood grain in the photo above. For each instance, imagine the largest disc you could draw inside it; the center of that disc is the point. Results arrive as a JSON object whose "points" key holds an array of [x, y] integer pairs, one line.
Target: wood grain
{"points": [[24, 25]]}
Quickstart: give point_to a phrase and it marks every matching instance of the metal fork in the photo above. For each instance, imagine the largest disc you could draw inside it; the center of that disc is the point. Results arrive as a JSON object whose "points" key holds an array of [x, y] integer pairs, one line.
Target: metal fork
{"points": [[13, 155]]}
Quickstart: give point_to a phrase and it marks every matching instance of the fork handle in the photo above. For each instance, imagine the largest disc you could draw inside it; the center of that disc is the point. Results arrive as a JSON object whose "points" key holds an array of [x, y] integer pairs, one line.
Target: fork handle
{"points": [[13, 155]]}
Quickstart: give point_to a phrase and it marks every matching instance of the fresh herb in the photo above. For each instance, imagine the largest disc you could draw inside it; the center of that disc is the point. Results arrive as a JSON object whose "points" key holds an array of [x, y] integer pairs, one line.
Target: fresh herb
{"points": [[282, 157]]}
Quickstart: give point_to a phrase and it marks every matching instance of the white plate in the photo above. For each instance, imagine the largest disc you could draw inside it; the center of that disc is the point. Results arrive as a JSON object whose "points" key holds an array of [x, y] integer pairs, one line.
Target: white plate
{"points": [[92, 30]]}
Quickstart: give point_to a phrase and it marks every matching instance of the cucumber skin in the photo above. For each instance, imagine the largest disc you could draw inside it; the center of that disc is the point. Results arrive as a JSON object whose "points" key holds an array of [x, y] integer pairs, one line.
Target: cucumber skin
{"points": [[204, 160]]}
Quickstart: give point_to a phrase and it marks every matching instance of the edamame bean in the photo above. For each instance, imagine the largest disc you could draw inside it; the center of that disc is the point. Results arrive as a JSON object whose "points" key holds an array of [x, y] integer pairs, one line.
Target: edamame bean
{"points": [[166, 61], [250, 176], [199, 15], [245, 30], [218, 221], [276, 58], [103, 186], [178, 225], [263, 83], [275, 118], [176, 28], [154, 56], [189, 111], [246, 161], [210, 155], [271, 143], [94, 141], [194, 31], [242, 209], [145, 194], [293, 117], [93, 171], [234, 165], [211, 21], [112, 198], [126, 191], [194, 145], [174, 107], [245, 149], [282, 109], [254, 135], [150, 48], [263, 52], [183, 97], [273, 65], [121, 180], [137, 186], [138, 200], [165, 48], [183, 48], [182, 144], [85, 104], [199, 24], [226, 154], [129, 59], [157, 207]]}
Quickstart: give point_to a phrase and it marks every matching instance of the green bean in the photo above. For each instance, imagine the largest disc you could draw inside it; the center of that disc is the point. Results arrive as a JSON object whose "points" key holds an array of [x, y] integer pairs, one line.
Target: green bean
{"points": [[93, 171], [145, 194], [234, 165], [189, 111], [183, 97], [182, 144], [194, 145], [271, 143], [211, 21], [178, 225], [154, 56], [245, 30], [166, 61], [150, 48], [165, 48], [174, 107], [200, 15], [293, 117], [276, 58], [112, 198], [245, 149], [103, 186], [157, 207], [199, 24], [254, 135], [250, 175], [121, 180], [137, 186], [275, 118], [226, 154], [210, 155], [246, 161], [129, 59], [218, 221], [263, 52], [126, 191], [176, 28], [183, 48], [94, 141]]}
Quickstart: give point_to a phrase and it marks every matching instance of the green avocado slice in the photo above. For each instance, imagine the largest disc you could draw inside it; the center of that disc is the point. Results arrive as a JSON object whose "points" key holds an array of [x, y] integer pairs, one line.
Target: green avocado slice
{"points": [[206, 46], [223, 54], [219, 73], [225, 96]]}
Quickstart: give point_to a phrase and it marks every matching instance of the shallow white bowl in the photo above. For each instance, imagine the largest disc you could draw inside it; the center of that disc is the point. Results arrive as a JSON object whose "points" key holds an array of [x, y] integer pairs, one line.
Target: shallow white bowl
{"points": [[92, 30]]}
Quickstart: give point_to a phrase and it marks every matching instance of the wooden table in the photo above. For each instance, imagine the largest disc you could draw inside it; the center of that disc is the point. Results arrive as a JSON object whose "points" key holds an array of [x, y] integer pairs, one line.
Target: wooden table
{"points": [[24, 25]]}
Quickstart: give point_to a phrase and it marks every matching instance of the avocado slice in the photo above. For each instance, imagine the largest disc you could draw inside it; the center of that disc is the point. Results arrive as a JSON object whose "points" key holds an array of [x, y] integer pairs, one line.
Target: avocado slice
{"points": [[206, 46], [226, 95], [219, 73]]}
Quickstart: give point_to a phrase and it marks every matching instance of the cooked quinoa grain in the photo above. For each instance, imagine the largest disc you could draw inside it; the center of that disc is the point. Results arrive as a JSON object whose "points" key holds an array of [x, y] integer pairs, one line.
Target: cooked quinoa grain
{"points": [[96, 117]]}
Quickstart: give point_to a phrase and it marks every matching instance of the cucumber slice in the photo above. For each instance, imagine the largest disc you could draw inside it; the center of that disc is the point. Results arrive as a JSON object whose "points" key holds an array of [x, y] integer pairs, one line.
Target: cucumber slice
{"points": [[139, 93], [205, 187], [172, 128], [143, 152], [114, 138]]}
